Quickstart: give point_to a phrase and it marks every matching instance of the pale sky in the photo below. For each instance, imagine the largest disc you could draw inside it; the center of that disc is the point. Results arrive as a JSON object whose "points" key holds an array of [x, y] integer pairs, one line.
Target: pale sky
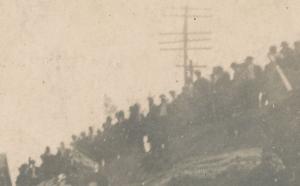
{"points": [[59, 57]]}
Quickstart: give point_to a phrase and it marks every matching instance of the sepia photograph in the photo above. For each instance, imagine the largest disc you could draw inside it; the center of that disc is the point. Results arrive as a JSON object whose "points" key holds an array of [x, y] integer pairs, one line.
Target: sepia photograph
{"points": [[149, 93]]}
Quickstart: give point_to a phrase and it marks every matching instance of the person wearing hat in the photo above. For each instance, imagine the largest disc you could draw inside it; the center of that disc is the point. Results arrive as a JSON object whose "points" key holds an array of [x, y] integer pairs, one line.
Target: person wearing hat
{"points": [[287, 55], [297, 54], [23, 179], [173, 95], [286, 51], [33, 172], [201, 95], [252, 83], [107, 125], [201, 85], [249, 65], [237, 84], [237, 73], [163, 107], [153, 110], [221, 86]]}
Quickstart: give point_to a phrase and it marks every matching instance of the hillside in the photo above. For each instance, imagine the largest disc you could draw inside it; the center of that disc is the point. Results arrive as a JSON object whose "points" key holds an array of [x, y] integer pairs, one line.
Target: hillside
{"points": [[221, 131]]}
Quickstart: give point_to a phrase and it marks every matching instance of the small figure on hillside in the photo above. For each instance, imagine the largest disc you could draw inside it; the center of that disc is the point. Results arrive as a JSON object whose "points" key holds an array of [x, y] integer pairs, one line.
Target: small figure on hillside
{"points": [[163, 107], [287, 56], [108, 123]]}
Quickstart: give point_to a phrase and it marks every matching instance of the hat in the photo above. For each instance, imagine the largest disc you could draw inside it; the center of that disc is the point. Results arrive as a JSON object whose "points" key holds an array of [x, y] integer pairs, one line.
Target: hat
{"points": [[198, 73], [297, 43], [108, 118], [233, 65], [249, 60], [284, 44], [172, 92], [217, 69], [273, 48], [162, 96]]}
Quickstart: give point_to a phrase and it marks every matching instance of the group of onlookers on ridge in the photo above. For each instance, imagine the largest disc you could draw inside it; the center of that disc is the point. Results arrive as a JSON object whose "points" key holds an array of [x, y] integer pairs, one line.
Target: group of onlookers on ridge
{"points": [[203, 101]]}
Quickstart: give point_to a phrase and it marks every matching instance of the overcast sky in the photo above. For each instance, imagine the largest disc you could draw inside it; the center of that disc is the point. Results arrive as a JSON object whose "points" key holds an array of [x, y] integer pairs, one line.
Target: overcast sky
{"points": [[58, 58]]}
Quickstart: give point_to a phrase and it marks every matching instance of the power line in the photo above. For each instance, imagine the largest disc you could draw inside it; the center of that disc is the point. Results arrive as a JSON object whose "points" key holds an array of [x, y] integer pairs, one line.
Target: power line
{"points": [[188, 67], [193, 16]]}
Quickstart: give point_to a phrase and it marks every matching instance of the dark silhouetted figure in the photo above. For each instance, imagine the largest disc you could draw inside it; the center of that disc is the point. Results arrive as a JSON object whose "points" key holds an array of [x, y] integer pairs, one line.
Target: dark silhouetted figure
{"points": [[249, 85], [62, 158], [107, 139], [201, 92], [173, 95], [48, 165], [287, 56], [91, 133], [107, 125], [163, 107], [220, 93], [23, 178], [297, 54], [153, 109], [74, 141], [255, 81], [33, 172]]}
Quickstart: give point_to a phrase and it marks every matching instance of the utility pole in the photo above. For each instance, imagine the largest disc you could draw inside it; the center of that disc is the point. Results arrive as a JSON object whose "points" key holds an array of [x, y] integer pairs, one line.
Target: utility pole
{"points": [[188, 67]]}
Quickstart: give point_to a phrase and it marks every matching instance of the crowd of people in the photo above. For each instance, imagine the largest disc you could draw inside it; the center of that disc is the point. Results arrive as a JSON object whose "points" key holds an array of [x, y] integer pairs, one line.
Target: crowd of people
{"points": [[52, 165], [201, 102]]}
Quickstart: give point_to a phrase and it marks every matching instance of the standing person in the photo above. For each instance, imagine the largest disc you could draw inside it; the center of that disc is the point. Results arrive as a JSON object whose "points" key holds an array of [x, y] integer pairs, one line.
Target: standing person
{"points": [[163, 107], [134, 127], [48, 164], [153, 109], [23, 178], [173, 95], [253, 82], [4, 172], [201, 97], [274, 74], [220, 91], [201, 85], [91, 133], [108, 123], [107, 139], [287, 55], [62, 158], [173, 105], [297, 54], [237, 87], [33, 172], [74, 141]]}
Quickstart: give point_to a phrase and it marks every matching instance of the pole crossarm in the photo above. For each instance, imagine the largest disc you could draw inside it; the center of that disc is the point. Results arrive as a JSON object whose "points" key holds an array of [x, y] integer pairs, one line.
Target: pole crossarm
{"points": [[190, 33], [176, 49], [189, 16], [188, 67], [194, 66], [181, 41], [190, 8], [201, 9]]}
